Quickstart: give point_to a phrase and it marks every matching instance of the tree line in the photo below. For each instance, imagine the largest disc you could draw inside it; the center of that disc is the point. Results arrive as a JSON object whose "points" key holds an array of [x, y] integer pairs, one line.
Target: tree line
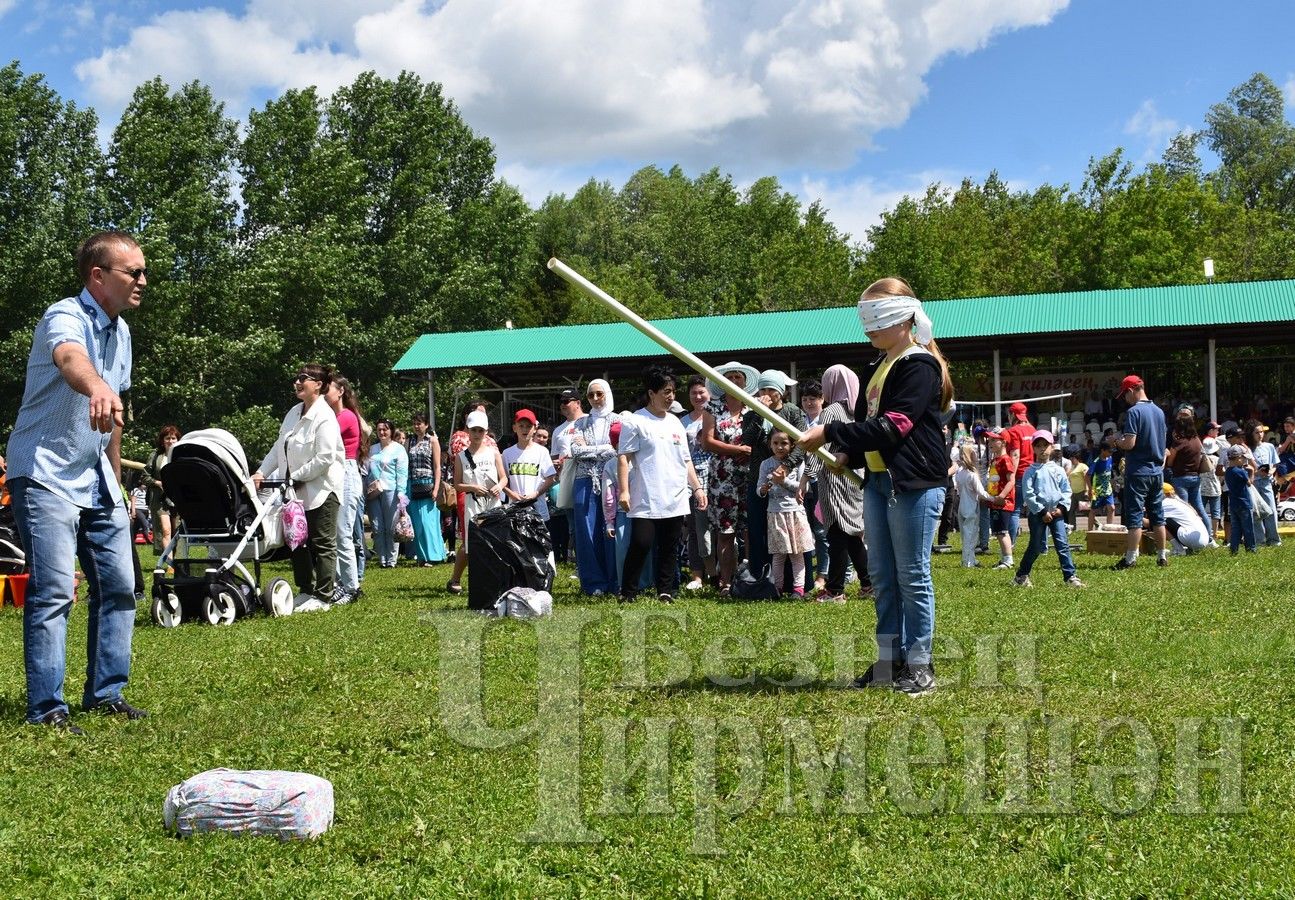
{"points": [[340, 228]]}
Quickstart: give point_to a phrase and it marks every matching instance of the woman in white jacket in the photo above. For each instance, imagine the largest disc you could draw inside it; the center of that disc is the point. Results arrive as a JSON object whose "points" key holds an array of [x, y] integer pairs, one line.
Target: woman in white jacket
{"points": [[308, 453]]}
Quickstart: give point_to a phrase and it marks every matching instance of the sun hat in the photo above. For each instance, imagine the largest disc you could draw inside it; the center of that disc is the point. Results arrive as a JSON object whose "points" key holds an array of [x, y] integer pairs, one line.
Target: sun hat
{"points": [[775, 379], [1043, 435], [752, 378]]}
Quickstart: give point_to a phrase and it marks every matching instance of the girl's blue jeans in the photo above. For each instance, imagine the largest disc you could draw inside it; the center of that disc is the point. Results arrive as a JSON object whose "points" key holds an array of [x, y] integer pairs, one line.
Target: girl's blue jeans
{"points": [[901, 527]]}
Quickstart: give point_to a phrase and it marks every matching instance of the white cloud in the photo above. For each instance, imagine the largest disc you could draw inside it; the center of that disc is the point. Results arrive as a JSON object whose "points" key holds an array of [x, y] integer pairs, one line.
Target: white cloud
{"points": [[1289, 90], [856, 205], [6, 5], [751, 85], [1153, 129]]}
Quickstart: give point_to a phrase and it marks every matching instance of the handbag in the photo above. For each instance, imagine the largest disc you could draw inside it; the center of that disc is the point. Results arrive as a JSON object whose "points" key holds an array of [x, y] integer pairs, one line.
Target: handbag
{"points": [[746, 586], [567, 486], [448, 499], [421, 488]]}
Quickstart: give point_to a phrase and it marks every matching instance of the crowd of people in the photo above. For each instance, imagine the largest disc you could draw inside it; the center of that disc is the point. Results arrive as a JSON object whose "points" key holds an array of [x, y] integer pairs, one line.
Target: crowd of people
{"points": [[644, 497], [1168, 473]]}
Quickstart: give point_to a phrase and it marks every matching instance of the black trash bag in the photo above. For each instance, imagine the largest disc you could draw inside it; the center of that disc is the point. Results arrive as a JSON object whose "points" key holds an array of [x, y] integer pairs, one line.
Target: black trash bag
{"points": [[746, 586], [508, 547]]}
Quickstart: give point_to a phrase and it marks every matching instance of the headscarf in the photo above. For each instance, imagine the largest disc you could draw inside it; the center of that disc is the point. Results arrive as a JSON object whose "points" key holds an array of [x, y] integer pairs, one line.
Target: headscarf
{"points": [[606, 408], [883, 312], [841, 385]]}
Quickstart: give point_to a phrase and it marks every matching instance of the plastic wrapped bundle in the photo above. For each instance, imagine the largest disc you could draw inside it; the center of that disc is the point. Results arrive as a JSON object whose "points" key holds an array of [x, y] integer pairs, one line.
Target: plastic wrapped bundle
{"points": [[288, 805], [524, 603]]}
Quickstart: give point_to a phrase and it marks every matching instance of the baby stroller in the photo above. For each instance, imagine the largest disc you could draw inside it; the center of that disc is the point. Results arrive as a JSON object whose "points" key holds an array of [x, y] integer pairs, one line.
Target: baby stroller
{"points": [[220, 511], [12, 559]]}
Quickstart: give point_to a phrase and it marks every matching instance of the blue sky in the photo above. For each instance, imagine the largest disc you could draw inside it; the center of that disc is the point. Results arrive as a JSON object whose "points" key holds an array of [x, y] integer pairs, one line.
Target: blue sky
{"points": [[854, 102]]}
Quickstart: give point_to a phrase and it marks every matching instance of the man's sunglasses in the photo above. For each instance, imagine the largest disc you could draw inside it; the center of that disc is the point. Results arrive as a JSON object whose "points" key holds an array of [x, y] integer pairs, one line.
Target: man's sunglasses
{"points": [[133, 273]]}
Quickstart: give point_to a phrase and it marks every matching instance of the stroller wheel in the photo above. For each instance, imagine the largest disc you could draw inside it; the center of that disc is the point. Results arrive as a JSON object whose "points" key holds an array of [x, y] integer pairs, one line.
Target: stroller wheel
{"points": [[166, 610], [220, 607], [278, 598]]}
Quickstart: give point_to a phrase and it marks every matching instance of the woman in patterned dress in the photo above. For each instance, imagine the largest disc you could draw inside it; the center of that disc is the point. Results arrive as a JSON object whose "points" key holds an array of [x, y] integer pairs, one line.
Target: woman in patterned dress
{"points": [[721, 435]]}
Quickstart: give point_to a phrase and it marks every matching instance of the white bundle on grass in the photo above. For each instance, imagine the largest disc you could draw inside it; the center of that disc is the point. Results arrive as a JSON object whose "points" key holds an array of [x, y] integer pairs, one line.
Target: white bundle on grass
{"points": [[524, 603], [288, 805]]}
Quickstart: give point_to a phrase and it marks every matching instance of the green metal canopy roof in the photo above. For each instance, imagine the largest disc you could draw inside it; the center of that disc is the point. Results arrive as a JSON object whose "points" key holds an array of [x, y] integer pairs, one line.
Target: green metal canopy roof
{"points": [[1260, 312]]}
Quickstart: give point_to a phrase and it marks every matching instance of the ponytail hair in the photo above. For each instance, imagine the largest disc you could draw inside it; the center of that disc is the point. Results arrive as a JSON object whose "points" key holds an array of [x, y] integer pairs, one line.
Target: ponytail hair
{"points": [[898, 287]]}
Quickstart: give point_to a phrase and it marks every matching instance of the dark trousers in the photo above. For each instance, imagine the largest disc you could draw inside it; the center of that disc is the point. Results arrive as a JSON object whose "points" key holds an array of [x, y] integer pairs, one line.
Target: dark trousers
{"points": [[948, 518], [757, 528], [314, 563], [844, 547], [644, 534], [560, 534]]}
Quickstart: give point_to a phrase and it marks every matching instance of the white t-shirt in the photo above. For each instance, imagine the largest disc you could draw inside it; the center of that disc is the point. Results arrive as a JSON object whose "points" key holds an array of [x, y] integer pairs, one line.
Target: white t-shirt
{"points": [[526, 470], [659, 479], [560, 439]]}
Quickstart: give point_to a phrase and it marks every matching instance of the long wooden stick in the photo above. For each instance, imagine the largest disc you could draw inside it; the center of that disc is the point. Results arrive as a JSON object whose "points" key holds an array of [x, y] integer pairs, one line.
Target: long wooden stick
{"points": [[587, 287]]}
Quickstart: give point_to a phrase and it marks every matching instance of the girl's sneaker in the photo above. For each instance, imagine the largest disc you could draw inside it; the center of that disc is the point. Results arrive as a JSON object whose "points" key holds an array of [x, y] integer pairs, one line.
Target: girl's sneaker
{"points": [[798, 593]]}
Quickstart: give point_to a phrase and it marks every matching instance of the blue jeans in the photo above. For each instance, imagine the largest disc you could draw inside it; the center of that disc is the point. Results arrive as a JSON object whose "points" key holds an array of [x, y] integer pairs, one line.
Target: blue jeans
{"points": [[984, 527], [595, 551], [382, 515], [900, 530], [348, 572], [819, 530], [55, 534], [1188, 489], [1264, 485], [1243, 523], [1038, 545], [1214, 509]]}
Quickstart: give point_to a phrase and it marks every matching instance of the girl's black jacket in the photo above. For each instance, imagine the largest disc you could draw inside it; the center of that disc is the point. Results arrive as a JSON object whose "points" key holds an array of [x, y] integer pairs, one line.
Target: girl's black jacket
{"points": [[917, 460]]}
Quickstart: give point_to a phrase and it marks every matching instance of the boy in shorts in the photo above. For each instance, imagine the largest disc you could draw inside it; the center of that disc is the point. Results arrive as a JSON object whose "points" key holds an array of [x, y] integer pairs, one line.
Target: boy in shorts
{"points": [[1101, 487]]}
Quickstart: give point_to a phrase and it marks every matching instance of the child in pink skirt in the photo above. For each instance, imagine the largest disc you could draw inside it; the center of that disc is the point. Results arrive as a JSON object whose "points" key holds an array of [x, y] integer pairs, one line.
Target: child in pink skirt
{"points": [[788, 526]]}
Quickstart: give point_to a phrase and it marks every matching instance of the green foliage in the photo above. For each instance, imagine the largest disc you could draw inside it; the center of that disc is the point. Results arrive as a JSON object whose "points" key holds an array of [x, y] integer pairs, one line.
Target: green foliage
{"points": [[339, 228]]}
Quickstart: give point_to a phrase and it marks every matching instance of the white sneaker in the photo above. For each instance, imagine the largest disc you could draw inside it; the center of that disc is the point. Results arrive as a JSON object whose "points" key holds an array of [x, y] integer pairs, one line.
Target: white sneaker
{"points": [[694, 585]]}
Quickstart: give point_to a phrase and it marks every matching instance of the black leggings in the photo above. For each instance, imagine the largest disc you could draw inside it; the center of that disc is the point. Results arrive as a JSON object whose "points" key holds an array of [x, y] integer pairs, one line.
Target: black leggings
{"points": [[839, 546], [644, 533]]}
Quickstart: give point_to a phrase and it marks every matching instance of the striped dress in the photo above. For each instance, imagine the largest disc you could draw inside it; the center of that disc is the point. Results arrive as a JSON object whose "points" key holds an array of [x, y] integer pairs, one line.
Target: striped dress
{"points": [[840, 500]]}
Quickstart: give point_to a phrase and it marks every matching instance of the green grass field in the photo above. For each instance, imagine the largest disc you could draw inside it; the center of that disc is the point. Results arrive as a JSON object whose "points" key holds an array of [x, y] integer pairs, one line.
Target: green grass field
{"points": [[1061, 758]]}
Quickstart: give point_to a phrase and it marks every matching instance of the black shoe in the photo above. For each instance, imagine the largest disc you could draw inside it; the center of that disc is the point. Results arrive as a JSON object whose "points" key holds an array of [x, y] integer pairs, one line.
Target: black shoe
{"points": [[879, 675], [665, 598], [1122, 565], [118, 707], [942, 548], [454, 587], [60, 719], [916, 680], [1162, 562]]}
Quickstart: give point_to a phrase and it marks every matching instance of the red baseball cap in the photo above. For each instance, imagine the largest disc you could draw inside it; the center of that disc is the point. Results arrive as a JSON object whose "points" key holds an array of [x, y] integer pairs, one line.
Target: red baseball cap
{"points": [[527, 415], [1129, 383], [1017, 409]]}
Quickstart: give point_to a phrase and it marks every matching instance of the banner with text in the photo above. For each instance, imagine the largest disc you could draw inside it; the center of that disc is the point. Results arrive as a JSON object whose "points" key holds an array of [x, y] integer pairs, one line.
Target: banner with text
{"points": [[1079, 384]]}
